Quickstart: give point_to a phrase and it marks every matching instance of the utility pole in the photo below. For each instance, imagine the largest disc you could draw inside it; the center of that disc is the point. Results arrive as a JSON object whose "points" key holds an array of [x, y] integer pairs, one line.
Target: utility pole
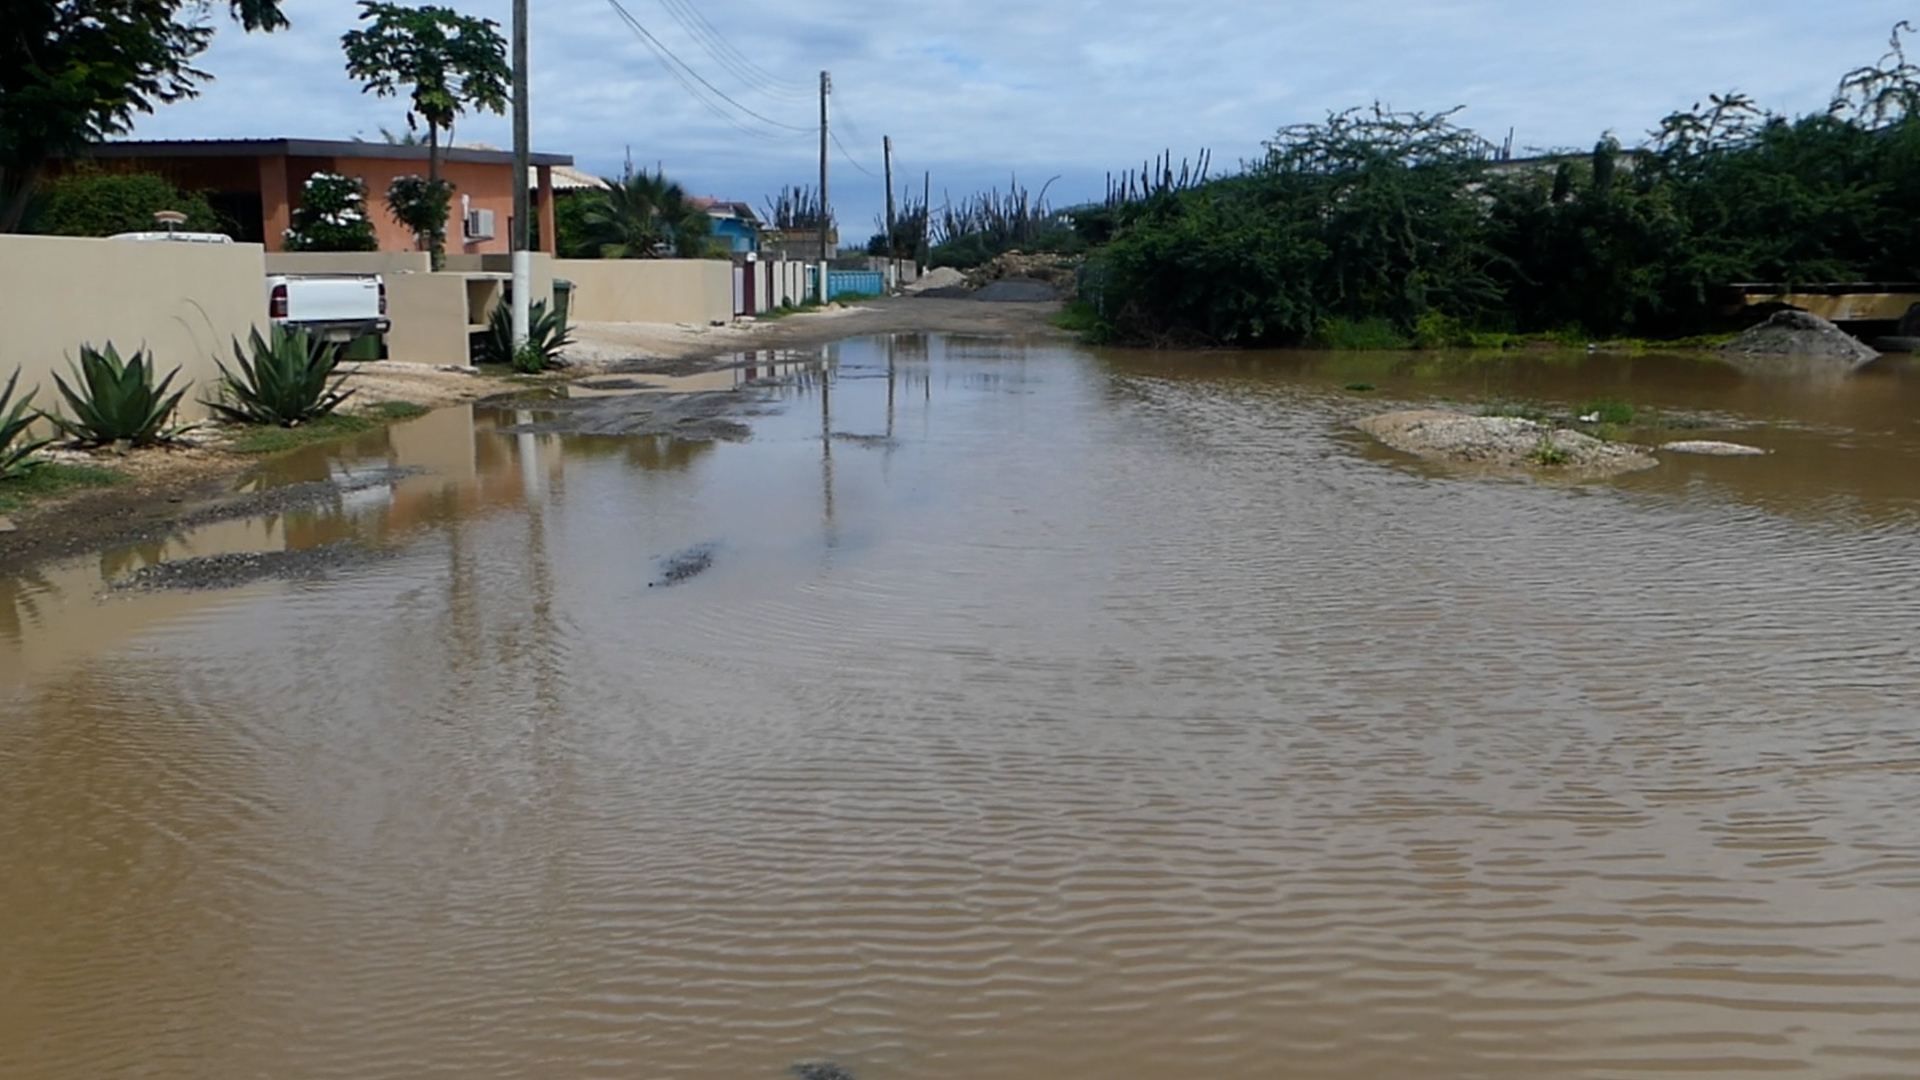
{"points": [[893, 249], [926, 218], [522, 258], [826, 215]]}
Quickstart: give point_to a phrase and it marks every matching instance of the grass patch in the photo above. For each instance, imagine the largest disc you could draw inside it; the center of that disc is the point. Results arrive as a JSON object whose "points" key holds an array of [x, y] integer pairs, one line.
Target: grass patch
{"points": [[279, 440], [1520, 410], [1611, 412], [54, 478], [854, 297], [1360, 387], [1078, 317], [785, 310], [1546, 453], [1358, 335]]}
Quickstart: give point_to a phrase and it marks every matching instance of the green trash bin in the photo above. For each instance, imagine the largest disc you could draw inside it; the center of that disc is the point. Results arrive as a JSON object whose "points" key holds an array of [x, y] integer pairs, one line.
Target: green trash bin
{"points": [[562, 298]]}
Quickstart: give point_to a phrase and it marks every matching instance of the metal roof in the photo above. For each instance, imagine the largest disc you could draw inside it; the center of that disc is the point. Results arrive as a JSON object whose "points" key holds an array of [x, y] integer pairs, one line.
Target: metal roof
{"points": [[334, 148]]}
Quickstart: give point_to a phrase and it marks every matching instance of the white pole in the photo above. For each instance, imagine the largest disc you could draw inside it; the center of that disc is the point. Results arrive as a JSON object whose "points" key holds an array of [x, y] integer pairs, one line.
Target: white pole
{"points": [[522, 205]]}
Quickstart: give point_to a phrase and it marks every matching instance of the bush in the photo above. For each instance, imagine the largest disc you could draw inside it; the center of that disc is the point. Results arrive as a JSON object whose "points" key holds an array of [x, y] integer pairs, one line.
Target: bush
{"points": [[92, 203], [16, 447], [287, 381], [546, 336], [332, 216], [120, 402]]}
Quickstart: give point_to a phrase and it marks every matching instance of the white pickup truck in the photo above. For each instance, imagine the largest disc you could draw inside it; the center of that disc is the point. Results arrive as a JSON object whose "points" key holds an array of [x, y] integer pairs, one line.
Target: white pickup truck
{"points": [[334, 307]]}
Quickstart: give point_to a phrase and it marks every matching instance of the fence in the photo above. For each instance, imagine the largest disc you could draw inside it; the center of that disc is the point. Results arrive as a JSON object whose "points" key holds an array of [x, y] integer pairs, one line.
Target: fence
{"points": [[864, 282], [186, 303]]}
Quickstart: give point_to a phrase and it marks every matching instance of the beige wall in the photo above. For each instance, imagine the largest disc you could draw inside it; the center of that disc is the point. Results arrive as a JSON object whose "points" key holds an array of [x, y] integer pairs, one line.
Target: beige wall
{"points": [[347, 262], [184, 302], [429, 314], [648, 290]]}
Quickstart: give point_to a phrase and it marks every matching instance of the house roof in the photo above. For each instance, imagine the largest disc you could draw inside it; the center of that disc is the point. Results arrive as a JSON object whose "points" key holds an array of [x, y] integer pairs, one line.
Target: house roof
{"points": [[722, 208], [334, 148]]}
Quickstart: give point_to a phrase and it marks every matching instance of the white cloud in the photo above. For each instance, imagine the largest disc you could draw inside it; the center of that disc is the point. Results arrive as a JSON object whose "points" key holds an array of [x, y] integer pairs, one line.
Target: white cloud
{"points": [[978, 90]]}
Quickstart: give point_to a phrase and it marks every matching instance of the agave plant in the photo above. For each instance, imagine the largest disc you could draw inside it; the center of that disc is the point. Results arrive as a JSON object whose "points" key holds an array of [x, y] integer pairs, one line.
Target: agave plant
{"points": [[546, 336], [121, 402], [16, 449], [288, 380]]}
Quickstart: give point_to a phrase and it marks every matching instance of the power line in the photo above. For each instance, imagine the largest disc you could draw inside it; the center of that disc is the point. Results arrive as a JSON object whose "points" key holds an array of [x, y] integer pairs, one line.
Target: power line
{"points": [[677, 67], [845, 154], [727, 56]]}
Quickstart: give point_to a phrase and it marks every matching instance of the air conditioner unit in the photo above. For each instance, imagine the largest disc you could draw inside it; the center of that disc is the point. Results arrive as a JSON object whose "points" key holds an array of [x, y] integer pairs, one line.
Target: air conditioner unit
{"points": [[479, 225]]}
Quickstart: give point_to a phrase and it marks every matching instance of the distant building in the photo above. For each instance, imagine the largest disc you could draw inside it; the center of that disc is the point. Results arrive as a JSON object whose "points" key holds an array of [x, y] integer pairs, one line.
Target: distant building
{"points": [[256, 184], [734, 224]]}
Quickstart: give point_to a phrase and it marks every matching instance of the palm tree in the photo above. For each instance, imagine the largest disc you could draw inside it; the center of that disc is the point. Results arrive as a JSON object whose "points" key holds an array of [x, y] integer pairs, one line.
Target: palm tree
{"points": [[644, 216]]}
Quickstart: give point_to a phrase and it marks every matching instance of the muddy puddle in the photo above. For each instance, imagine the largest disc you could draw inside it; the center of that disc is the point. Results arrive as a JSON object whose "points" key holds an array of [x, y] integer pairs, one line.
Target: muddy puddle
{"points": [[985, 710]]}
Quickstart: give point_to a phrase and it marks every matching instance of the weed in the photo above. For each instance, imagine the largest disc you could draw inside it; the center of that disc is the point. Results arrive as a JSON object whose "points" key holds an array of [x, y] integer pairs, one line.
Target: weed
{"points": [[278, 440], [547, 334], [1547, 453], [1078, 317], [1360, 387]]}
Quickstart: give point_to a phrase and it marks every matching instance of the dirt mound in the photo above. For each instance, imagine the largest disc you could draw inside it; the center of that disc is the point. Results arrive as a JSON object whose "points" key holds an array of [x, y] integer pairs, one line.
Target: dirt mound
{"points": [[944, 277], [1504, 443], [1062, 272], [1798, 334], [1017, 291]]}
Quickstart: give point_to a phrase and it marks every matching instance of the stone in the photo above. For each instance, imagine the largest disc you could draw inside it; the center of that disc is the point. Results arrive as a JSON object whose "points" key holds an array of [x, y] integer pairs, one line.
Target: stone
{"points": [[7, 525], [1713, 448]]}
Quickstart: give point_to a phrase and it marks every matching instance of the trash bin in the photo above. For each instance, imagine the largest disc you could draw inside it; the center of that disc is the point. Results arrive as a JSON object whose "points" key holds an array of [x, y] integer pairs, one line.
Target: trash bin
{"points": [[562, 298]]}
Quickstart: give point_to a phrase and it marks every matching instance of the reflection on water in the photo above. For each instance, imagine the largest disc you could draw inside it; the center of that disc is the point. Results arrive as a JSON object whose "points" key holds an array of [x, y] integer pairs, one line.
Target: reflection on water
{"points": [[1041, 713]]}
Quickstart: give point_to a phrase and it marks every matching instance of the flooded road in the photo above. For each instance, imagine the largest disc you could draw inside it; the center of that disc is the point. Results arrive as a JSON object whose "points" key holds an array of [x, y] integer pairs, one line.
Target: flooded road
{"points": [[998, 711]]}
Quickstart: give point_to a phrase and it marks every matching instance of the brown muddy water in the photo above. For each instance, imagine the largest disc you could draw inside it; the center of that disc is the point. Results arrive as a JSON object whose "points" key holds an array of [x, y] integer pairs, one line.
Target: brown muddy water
{"points": [[999, 711]]}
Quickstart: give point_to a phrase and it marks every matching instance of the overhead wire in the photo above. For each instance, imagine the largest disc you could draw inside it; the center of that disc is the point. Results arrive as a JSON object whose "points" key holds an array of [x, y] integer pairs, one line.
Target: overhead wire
{"points": [[683, 72], [727, 56], [835, 136]]}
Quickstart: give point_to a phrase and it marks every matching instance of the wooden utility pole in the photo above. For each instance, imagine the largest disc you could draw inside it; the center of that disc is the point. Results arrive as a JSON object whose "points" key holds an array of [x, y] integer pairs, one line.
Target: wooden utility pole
{"points": [[826, 215], [926, 218], [893, 248]]}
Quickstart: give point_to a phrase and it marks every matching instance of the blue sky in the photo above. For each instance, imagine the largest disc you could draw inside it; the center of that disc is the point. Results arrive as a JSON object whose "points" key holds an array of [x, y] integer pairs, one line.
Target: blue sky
{"points": [[980, 90]]}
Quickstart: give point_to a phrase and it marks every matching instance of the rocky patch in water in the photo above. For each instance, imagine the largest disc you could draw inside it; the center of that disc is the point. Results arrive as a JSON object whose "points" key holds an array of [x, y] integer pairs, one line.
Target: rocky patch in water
{"points": [[1797, 335], [1503, 443], [233, 569], [685, 564]]}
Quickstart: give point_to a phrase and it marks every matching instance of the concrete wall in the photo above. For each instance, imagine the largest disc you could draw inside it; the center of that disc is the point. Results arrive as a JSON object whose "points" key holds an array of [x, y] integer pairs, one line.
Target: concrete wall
{"points": [[347, 262], [649, 290], [184, 302], [429, 313]]}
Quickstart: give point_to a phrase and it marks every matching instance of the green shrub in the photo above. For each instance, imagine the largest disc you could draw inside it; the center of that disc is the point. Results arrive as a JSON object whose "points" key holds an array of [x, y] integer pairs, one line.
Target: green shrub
{"points": [[92, 203], [1364, 335], [288, 380], [332, 216], [16, 447], [118, 401], [546, 336]]}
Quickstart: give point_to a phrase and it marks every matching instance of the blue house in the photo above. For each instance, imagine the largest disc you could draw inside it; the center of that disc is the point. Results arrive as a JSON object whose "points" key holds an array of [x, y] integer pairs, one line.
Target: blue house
{"points": [[734, 224]]}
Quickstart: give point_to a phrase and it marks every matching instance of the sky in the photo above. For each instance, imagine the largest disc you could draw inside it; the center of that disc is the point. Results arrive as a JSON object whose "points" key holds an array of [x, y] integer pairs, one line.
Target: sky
{"points": [[980, 92]]}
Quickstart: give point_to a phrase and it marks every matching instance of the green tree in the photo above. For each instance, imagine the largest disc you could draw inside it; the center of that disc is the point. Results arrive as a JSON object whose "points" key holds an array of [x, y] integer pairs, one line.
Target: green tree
{"points": [[91, 203], [73, 72], [450, 61], [643, 215], [332, 216]]}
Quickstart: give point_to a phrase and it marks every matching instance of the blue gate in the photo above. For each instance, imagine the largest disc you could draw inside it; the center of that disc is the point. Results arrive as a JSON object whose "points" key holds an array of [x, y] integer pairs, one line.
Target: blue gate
{"points": [[865, 282]]}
